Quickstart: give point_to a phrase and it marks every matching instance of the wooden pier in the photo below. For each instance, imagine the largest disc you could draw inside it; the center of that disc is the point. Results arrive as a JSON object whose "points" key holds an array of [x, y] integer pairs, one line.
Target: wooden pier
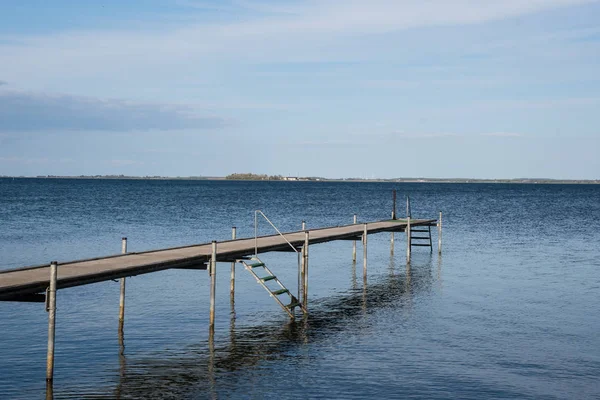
{"points": [[30, 283], [41, 283]]}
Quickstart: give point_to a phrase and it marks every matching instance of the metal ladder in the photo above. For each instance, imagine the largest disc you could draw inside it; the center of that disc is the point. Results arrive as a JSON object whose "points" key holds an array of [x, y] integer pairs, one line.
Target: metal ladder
{"points": [[251, 266], [427, 238]]}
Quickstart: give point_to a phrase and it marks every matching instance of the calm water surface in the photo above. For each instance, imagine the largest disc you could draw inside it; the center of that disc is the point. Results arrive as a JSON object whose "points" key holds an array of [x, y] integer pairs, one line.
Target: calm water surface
{"points": [[510, 310]]}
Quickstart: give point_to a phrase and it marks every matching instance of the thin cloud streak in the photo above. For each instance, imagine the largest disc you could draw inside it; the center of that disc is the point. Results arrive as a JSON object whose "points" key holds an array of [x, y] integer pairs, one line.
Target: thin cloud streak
{"points": [[124, 163], [503, 134], [34, 160], [32, 112]]}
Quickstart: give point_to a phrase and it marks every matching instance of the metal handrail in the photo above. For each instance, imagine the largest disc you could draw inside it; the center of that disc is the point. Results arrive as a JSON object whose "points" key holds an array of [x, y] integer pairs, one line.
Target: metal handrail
{"points": [[274, 227]]}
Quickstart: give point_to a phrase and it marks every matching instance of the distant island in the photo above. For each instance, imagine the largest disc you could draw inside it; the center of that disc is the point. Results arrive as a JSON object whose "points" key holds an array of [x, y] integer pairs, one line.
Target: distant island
{"points": [[265, 177], [253, 177]]}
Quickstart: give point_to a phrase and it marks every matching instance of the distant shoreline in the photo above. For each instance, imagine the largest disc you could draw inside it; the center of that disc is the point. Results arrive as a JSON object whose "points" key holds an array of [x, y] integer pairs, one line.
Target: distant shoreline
{"points": [[318, 179]]}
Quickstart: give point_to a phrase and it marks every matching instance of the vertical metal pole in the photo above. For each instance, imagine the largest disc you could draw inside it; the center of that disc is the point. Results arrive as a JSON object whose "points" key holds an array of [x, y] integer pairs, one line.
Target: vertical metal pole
{"points": [[303, 225], [394, 204], [232, 285], [51, 308], [256, 233], [364, 238], [440, 234], [122, 295], [354, 244], [305, 268], [213, 284], [300, 272], [408, 239], [408, 212]]}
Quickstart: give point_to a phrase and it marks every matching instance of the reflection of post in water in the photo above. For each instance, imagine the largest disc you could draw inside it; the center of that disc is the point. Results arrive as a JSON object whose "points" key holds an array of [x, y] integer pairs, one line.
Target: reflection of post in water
{"points": [[232, 328], [439, 271], [354, 282], [364, 295], [122, 364], [121, 341], [49, 390], [408, 286], [302, 332], [407, 279], [211, 363]]}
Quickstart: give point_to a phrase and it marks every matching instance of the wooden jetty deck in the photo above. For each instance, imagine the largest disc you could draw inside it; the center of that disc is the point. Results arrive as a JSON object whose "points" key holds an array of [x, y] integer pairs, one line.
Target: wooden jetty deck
{"points": [[27, 284]]}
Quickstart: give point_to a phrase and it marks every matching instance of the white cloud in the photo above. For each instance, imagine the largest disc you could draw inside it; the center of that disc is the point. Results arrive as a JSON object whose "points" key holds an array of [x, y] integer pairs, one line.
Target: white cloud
{"points": [[307, 30]]}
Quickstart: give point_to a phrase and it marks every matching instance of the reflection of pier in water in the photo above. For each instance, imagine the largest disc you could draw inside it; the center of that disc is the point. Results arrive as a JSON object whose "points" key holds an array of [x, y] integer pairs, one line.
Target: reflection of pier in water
{"points": [[249, 346]]}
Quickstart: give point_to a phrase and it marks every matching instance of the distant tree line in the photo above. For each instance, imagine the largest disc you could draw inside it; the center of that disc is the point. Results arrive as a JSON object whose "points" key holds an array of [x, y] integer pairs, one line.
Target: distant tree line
{"points": [[254, 177]]}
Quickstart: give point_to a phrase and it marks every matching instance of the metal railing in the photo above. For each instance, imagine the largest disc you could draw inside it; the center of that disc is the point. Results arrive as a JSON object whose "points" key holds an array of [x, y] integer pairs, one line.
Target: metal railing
{"points": [[256, 212], [274, 227]]}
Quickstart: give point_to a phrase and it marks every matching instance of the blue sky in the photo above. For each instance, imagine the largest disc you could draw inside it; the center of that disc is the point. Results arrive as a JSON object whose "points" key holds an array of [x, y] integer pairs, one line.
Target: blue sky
{"points": [[380, 88]]}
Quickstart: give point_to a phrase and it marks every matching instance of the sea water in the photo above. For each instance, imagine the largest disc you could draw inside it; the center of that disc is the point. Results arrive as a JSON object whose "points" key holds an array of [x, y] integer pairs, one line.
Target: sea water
{"points": [[511, 309]]}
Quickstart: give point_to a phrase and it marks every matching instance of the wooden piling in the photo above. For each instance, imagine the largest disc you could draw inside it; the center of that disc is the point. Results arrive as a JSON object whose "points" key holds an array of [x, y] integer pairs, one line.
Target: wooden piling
{"points": [[408, 239], [364, 238], [305, 270], [51, 308], [213, 284], [439, 224], [354, 244], [232, 284], [122, 294], [303, 225], [408, 212]]}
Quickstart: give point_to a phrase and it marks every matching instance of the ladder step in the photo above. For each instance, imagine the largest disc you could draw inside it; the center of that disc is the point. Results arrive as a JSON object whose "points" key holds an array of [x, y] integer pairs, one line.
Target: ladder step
{"points": [[420, 244], [260, 264], [280, 291], [268, 278], [420, 237], [292, 305]]}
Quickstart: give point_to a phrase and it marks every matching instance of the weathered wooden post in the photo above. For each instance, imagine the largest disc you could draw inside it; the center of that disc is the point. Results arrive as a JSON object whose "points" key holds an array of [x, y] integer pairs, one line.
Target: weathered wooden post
{"points": [[394, 204], [354, 244], [303, 225], [51, 309], [213, 284], [408, 239], [393, 217], [305, 270], [232, 285], [364, 238], [122, 295], [440, 234]]}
